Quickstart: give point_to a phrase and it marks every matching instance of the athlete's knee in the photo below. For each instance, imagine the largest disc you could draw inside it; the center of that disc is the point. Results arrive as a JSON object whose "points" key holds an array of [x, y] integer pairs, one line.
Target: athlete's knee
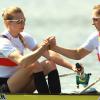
{"points": [[36, 67], [50, 64]]}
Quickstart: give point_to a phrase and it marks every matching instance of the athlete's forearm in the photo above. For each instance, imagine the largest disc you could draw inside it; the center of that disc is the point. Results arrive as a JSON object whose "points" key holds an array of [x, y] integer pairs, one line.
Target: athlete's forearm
{"points": [[32, 57], [73, 54]]}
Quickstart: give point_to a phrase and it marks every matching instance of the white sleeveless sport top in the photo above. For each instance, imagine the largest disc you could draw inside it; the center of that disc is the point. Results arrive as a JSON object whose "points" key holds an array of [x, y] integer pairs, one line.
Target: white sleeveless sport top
{"points": [[8, 45]]}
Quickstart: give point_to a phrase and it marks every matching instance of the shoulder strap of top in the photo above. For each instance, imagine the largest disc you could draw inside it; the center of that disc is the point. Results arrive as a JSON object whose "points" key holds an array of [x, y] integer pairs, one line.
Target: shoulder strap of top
{"points": [[4, 36], [98, 50], [20, 37]]}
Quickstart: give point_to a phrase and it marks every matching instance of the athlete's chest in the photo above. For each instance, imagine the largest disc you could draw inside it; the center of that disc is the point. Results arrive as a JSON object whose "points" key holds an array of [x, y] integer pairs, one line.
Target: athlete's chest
{"points": [[16, 42]]}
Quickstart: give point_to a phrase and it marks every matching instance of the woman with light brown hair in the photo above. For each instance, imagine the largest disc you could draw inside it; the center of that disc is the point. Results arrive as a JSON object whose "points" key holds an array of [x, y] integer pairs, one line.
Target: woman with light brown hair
{"points": [[23, 73]]}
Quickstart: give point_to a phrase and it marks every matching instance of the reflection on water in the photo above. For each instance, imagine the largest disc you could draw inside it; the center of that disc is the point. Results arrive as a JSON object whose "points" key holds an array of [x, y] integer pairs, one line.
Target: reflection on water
{"points": [[68, 20]]}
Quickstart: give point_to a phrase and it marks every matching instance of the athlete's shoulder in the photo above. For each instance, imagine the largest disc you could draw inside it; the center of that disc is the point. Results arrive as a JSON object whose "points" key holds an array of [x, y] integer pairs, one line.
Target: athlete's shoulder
{"points": [[94, 35], [27, 36], [4, 40], [4, 37], [4, 32]]}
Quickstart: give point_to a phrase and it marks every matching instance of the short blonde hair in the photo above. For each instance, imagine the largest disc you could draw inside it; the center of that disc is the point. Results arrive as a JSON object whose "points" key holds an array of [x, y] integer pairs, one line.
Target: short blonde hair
{"points": [[97, 9], [7, 13]]}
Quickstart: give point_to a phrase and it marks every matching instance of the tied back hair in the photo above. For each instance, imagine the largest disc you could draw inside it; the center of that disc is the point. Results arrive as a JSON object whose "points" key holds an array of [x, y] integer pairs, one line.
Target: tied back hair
{"points": [[22, 40]]}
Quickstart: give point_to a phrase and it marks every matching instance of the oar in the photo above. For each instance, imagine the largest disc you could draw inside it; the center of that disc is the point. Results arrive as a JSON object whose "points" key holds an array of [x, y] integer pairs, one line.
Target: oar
{"points": [[63, 75], [89, 86]]}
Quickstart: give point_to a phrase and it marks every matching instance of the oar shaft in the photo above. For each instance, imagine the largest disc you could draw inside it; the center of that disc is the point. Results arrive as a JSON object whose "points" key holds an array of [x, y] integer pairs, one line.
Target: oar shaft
{"points": [[63, 75], [90, 86], [66, 74]]}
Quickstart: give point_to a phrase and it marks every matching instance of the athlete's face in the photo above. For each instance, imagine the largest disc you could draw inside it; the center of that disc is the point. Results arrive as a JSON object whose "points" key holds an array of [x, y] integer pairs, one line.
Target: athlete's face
{"points": [[96, 20], [16, 25]]}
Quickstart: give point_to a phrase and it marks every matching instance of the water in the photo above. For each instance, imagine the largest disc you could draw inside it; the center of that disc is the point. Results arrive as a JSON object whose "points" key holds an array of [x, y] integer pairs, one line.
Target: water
{"points": [[69, 21]]}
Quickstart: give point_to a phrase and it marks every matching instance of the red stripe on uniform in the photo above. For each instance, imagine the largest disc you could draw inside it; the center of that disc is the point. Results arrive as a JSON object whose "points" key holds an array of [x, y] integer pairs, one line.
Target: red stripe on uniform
{"points": [[7, 62]]}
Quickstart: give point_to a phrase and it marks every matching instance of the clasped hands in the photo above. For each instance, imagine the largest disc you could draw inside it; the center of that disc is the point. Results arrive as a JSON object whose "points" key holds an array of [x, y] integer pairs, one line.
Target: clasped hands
{"points": [[49, 42]]}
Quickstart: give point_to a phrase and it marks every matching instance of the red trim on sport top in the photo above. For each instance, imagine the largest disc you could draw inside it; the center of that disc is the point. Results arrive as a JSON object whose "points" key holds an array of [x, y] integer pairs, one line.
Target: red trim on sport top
{"points": [[7, 62]]}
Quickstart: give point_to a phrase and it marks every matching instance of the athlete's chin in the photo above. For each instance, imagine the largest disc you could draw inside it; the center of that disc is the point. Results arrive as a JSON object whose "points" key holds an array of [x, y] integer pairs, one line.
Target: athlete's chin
{"points": [[98, 30], [22, 30]]}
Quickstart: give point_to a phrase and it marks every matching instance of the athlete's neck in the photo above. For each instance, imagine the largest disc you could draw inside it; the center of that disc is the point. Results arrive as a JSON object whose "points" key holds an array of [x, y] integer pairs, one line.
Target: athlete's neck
{"points": [[13, 34]]}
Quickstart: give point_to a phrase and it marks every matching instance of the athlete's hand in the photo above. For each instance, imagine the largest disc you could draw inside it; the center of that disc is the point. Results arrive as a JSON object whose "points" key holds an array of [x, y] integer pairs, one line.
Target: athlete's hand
{"points": [[52, 42], [74, 68], [45, 42], [80, 68]]}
